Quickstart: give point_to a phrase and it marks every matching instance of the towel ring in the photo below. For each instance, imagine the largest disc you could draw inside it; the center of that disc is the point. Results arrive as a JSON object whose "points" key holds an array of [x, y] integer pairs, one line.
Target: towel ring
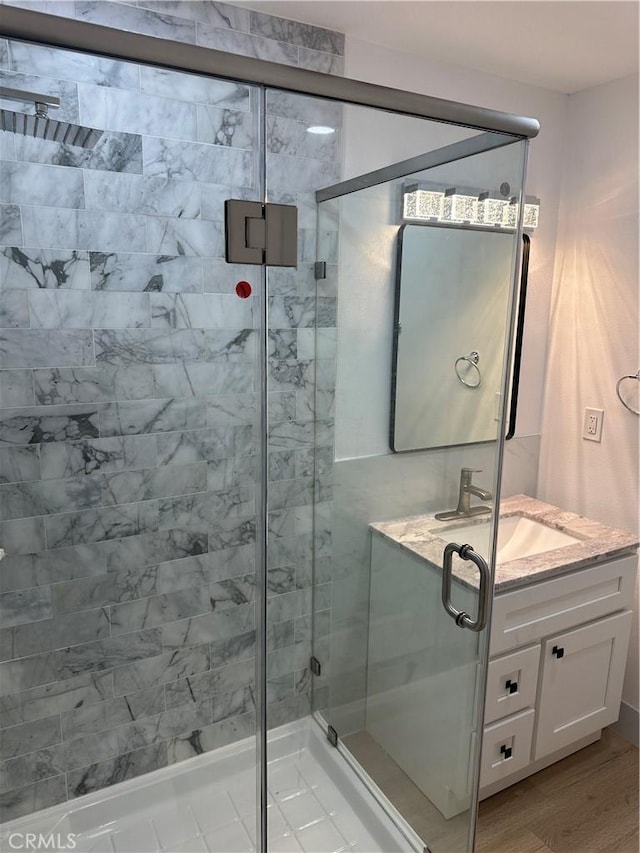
{"points": [[472, 359], [619, 383]]}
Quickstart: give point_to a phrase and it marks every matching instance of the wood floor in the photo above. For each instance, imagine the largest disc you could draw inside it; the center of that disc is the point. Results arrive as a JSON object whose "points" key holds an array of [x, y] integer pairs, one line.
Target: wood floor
{"points": [[587, 803]]}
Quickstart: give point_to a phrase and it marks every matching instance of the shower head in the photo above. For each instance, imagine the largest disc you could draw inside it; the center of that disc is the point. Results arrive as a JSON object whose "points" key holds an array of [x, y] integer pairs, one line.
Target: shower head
{"points": [[39, 125]]}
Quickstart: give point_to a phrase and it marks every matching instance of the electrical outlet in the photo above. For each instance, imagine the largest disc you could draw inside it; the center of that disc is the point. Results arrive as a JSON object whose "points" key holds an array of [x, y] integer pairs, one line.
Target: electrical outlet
{"points": [[592, 425]]}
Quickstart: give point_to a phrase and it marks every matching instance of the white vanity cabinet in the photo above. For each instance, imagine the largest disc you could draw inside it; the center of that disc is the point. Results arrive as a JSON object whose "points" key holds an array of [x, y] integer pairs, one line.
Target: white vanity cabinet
{"points": [[558, 653], [559, 633]]}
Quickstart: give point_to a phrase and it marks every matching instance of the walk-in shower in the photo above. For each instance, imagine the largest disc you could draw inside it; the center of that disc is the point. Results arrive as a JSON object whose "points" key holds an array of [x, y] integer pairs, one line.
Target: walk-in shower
{"points": [[194, 451]]}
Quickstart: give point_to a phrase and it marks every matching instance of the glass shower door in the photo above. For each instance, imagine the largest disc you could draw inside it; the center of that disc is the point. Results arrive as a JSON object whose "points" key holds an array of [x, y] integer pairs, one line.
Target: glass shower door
{"points": [[419, 359], [129, 453]]}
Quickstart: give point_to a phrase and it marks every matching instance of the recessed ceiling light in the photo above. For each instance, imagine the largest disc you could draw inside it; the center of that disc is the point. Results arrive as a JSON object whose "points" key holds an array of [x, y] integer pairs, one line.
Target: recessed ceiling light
{"points": [[321, 129]]}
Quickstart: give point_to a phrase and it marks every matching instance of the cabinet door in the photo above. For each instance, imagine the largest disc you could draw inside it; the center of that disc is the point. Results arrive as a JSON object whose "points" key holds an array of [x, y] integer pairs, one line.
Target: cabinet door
{"points": [[582, 672]]}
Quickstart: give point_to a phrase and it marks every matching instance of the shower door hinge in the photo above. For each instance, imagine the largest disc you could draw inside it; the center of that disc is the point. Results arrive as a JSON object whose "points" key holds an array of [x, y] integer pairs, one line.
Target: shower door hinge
{"points": [[332, 736], [314, 666], [258, 233], [320, 270]]}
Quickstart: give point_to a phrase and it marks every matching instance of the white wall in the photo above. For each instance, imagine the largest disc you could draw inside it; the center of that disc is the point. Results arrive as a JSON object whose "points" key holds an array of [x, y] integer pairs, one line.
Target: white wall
{"points": [[378, 64], [593, 337]]}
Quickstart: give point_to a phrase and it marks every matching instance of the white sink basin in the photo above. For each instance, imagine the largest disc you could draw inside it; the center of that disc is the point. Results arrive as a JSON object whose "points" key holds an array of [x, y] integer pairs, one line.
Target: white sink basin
{"points": [[517, 537]]}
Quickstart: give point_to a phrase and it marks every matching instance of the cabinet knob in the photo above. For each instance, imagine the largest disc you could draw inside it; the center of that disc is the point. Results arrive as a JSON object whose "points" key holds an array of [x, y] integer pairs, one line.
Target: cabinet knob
{"points": [[506, 751], [511, 686], [558, 651]]}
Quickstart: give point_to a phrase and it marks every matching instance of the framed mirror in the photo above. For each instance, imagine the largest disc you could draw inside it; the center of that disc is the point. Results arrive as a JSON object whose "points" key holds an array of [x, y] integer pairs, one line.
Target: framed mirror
{"points": [[447, 362]]}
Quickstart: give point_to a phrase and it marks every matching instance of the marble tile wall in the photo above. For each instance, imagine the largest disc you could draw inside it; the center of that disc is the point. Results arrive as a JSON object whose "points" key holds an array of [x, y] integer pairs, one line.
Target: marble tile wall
{"points": [[208, 24], [129, 407]]}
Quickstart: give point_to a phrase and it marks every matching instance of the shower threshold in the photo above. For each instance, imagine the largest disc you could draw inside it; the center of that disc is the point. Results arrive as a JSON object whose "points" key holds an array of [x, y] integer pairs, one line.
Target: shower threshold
{"points": [[208, 804]]}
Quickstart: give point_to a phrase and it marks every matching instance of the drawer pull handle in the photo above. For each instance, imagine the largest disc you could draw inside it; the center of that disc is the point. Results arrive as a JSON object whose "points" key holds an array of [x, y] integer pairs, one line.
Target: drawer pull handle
{"points": [[506, 751], [558, 651], [511, 686]]}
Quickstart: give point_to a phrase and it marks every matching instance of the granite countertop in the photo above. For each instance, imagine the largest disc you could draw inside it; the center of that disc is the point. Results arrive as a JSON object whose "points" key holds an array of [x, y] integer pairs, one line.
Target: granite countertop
{"points": [[422, 535]]}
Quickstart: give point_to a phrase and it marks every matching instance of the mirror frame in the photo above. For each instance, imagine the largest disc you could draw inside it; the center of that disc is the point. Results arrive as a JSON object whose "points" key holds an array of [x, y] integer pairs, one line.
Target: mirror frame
{"points": [[517, 350]]}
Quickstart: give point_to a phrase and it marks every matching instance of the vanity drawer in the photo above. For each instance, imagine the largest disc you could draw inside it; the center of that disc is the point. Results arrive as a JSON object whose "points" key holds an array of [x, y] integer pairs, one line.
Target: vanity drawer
{"points": [[506, 747], [527, 615], [512, 681]]}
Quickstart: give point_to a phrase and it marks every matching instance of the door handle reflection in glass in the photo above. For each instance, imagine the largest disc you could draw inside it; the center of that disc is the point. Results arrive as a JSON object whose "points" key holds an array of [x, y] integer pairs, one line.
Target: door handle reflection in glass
{"points": [[462, 619]]}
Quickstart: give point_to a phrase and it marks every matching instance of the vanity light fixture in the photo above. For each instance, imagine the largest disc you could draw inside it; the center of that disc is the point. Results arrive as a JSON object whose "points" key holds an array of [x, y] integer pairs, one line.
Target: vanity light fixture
{"points": [[422, 204], [464, 205], [321, 129]]}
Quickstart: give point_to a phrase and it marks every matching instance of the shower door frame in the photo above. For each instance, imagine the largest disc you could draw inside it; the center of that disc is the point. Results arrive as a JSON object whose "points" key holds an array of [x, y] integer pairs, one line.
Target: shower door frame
{"points": [[65, 33]]}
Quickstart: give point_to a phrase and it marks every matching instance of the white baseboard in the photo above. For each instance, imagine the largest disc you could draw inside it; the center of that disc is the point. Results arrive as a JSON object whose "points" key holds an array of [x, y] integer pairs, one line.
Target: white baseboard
{"points": [[628, 725]]}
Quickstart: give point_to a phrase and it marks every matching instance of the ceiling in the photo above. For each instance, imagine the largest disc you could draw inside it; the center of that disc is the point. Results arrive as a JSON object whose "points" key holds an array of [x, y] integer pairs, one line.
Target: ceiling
{"points": [[564, 45]]}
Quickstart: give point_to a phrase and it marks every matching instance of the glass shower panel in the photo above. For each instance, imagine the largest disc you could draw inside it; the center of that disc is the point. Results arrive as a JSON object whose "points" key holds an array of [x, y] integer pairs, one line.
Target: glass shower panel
{"points": [[129, 456], [403, 689]]}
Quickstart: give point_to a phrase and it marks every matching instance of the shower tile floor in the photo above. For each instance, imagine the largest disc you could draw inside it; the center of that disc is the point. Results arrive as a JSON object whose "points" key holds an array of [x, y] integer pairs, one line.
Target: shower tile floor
{"points": [[207, 804]]}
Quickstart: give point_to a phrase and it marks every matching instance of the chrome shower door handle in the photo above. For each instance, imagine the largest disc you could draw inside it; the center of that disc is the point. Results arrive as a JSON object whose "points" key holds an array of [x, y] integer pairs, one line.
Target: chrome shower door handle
{"points": [[462, 619]]}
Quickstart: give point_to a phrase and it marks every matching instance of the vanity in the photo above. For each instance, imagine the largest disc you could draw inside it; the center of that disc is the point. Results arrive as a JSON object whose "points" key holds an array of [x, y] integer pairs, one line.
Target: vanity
{"points": [[560, 627]]}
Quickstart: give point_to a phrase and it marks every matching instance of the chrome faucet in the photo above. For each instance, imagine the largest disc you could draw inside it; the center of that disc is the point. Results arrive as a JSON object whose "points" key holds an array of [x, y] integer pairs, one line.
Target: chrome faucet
{"points": [[467, 488]]}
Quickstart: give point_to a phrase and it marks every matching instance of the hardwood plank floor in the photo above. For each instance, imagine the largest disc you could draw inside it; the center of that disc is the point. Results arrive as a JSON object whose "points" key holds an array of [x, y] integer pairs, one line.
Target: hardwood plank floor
{"points": [[587, 803]]}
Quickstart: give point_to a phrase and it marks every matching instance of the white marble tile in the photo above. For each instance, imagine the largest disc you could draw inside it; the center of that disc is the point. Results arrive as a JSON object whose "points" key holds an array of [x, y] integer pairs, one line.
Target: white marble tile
{"points": [[134, 417], [119, 271], [63, 8], [326, 63], [142, 194], [14, 310], [304, 108], [92, 384], [131, 112], [82, 310], [226, 127], [10, 225], [53, 309], [19, 463], [67, 459], [200, 311], [209, 11], [30, 183], [24, 269], [7, 145], [246, 45], [202, 379], [195, 89], [298, 174], [125, 17], [81, 67], [304, 35], [54, 227], [174, 346], [37, 348], [185, 237], [120, 310], [186, 161], [290, 136]]}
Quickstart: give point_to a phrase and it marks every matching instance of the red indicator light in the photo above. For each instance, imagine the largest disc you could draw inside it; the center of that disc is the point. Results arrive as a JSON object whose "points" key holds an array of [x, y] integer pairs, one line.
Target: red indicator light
{"points": [[243, 289]]}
